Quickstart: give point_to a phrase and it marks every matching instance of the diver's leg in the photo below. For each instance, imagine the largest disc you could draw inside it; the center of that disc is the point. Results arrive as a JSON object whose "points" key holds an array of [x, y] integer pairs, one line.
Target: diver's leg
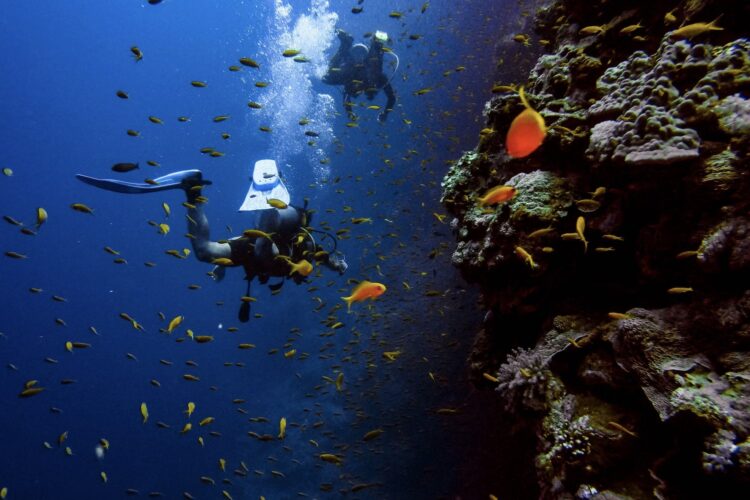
{"points": [[205, 250]]}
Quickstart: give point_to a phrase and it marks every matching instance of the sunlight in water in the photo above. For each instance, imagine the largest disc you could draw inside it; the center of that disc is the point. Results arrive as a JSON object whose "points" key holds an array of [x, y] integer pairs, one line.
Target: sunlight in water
{"points": [[291, 97]]}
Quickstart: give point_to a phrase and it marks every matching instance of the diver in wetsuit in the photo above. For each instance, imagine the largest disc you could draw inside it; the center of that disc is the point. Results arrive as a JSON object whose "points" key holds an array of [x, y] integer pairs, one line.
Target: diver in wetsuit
{"points": [[360, 70], [286, 240]]}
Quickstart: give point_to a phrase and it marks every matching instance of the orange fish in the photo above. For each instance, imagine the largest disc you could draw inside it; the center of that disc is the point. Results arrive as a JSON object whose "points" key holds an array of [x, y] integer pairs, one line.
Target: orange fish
{"points": [[527, 131], [498, 194], [365, 290]]}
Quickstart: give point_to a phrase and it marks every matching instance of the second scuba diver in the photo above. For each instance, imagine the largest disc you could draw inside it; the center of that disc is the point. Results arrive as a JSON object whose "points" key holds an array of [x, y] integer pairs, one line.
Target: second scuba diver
{"points": [[283, 245], [360, 70]]}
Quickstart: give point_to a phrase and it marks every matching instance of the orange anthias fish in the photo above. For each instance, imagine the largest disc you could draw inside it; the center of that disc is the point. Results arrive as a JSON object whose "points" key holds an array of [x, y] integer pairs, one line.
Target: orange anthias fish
{"points": [[365, 290], [527, 131], [498, 194]]}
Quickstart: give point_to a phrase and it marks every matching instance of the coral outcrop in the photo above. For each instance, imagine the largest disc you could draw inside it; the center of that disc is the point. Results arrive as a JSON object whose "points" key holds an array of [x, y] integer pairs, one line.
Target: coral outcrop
{"points": [[624, 340]]}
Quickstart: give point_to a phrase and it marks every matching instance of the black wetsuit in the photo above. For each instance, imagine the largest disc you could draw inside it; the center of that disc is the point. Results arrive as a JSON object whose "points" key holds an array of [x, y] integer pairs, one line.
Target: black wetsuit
{"points": [[257, 255], [367, 77]]}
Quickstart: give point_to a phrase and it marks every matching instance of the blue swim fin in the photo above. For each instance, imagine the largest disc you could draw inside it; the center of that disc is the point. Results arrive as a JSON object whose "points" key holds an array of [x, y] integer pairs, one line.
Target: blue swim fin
{"points": [[184, 179]]}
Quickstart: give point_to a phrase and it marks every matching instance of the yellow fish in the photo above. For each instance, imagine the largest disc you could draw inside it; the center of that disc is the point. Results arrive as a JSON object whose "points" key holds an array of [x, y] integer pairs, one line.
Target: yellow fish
{"points": [[41, 217], [176, 321], [276, 203], [144, 412], [190, 409], [695, 29], [580, 226], [282, 428], [80, 207]]}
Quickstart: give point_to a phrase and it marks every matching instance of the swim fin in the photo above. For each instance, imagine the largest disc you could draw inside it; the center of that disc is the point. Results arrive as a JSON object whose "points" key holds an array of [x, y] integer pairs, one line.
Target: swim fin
{"points": [[184, 179], [244, 314]]}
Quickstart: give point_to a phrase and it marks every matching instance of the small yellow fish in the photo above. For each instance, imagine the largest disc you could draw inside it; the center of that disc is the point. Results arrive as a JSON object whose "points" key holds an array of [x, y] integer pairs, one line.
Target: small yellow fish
{"points": [[587, 206], [391, 355], [688, 254], [188, 426], [144, 412], [669, 17], [340, 381], [276, 203], [290, 52], [167, 210], [680, 289], [41, 217], [580, 227], [257, 233], [526, 256], [282, 428], [593, 30], [246, 61], [206, 421], [372, 434], [541, 232], [103, 476], [330, 458], [80, 207], [618, 315], [190, 409], [692, 30], [176, 321]]}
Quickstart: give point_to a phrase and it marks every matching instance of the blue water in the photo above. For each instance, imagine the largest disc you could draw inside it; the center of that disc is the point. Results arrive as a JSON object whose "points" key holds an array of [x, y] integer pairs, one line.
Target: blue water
{"points": [[62, 64]]}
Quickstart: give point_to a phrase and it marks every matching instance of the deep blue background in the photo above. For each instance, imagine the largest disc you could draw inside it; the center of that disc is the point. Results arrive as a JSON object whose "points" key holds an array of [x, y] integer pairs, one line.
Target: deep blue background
{"points": [[61, 65]]}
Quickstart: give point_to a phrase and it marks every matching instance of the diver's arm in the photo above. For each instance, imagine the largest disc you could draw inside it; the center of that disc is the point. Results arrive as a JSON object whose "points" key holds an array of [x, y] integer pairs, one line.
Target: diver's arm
{"points": [[205, 250], [391, 95]]}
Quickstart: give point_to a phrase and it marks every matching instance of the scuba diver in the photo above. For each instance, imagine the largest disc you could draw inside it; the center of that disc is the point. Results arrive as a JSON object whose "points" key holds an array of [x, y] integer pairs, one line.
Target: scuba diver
{"points": [[360, 70], [283, 246]]}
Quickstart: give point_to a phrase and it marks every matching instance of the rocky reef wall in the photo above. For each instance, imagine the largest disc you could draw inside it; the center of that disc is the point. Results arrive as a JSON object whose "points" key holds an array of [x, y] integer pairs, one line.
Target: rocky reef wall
{"points": [[623, 339]]}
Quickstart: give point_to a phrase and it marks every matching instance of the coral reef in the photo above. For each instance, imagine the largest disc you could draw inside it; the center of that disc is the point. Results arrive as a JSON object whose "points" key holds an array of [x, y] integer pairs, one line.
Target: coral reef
{"points": [[632, 306]]}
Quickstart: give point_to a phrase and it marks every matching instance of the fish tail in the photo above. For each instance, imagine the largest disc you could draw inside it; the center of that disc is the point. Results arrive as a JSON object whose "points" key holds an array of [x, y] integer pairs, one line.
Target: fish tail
{"points": [[348, 301]]}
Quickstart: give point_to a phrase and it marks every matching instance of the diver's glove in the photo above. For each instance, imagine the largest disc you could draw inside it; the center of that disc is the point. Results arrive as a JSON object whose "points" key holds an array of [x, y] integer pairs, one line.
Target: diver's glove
{"points": [[382, 116], [338, 262]]}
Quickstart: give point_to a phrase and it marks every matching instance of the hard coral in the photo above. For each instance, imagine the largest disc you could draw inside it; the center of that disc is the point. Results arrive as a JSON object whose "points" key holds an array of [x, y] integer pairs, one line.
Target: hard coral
{"points": [[525, 381], [651, 107]]}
